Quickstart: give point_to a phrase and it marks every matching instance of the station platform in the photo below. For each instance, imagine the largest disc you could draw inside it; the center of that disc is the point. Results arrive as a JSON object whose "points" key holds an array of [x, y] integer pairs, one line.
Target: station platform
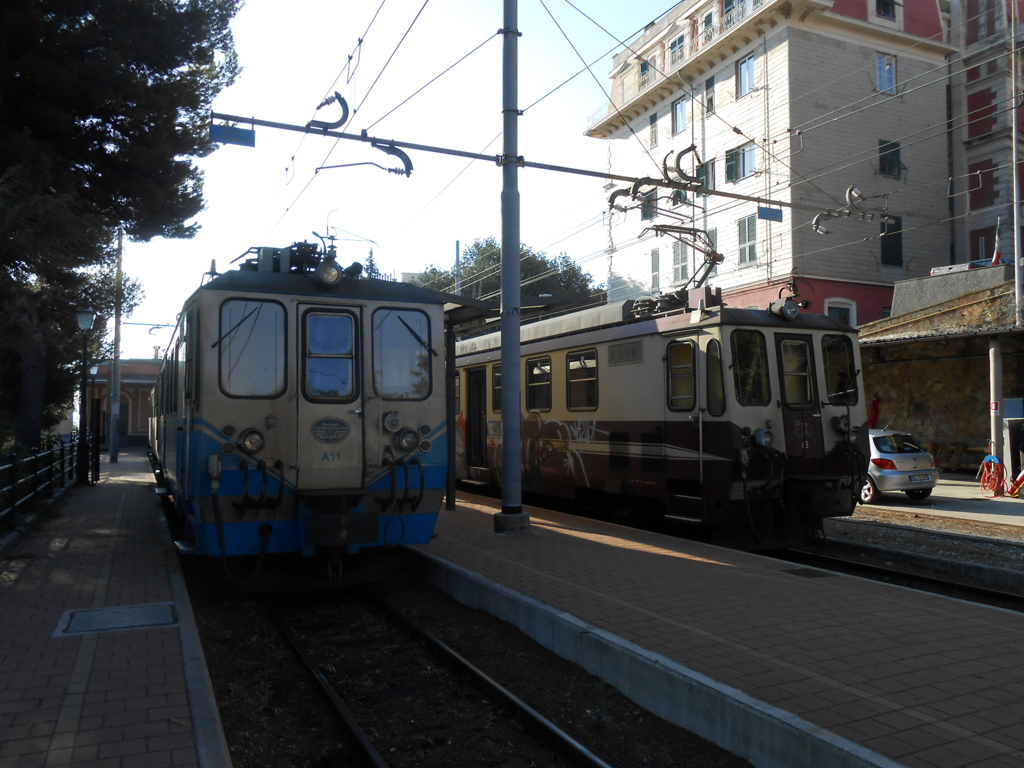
{"points": [[100, 660], [959, 495], [783, 665]]}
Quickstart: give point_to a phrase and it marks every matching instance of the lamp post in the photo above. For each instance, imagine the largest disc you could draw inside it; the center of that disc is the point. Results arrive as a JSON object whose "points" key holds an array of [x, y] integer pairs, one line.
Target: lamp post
{"points": [[85, 319]]}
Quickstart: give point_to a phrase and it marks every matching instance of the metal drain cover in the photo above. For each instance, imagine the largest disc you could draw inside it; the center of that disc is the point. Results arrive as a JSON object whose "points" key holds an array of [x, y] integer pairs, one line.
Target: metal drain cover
{"points": [[809, 573], [115, 619]]}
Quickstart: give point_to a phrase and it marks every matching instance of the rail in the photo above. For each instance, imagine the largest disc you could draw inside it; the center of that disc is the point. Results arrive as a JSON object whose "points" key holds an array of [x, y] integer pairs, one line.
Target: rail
{"points": [[41, 474]]}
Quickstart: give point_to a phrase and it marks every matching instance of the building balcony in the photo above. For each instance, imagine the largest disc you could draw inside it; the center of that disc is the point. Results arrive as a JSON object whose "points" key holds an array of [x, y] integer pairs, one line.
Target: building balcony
{"points": [[634, 94]]}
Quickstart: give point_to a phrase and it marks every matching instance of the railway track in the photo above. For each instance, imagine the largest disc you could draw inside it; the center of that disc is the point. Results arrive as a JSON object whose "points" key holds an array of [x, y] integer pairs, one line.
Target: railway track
{"points": [[450, 673]]}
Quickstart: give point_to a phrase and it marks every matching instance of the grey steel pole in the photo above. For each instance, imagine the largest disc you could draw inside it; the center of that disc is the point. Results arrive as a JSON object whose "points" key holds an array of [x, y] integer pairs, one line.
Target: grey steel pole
{"points": [[450, 415], [115, 369], [511, 433], [458, 270], [1018, 273], [995, 395]]}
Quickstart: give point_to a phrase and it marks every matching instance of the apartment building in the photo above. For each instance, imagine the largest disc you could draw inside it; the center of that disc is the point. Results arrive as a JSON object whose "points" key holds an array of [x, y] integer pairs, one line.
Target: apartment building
{"points": [[789, 103], [981, 129]]}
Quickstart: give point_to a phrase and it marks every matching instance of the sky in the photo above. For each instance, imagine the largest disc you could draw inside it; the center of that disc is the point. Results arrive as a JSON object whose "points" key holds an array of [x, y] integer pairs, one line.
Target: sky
{"points": [[295, 54]]}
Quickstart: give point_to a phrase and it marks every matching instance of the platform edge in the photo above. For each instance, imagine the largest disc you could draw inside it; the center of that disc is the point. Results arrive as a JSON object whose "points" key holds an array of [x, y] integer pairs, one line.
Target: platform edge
{"points": [[766, 735]]}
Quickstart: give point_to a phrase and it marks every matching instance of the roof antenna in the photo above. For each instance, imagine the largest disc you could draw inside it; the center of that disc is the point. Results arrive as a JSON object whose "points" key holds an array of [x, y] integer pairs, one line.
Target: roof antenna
{"points": [[890, 422]]}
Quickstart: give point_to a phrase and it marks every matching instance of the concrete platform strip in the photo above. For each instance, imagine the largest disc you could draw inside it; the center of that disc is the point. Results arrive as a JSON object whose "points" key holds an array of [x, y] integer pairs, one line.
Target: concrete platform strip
{"points": [[764, 734]]}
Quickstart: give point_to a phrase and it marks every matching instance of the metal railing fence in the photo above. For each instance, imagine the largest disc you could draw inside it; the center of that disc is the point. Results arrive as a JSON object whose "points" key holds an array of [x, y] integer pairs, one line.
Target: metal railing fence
{"points": [[39, 474]]}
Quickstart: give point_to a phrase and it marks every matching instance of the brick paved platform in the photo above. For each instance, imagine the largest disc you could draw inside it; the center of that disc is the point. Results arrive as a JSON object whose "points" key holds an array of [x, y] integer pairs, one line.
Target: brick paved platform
{"points": [[787, 666], [76, 688]]}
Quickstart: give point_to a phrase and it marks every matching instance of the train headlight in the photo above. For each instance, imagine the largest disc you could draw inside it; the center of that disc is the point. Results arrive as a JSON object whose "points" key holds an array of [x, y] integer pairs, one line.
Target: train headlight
{"points": [[764, 438], [408, 439], [788, 308], [327, 272], [855, 436], [841, 424], [250, 441]]}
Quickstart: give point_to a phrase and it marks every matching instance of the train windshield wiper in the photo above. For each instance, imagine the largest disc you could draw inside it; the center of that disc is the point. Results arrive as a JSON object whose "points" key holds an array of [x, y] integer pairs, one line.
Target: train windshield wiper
{"points": [[232, 329], [416, 336]]}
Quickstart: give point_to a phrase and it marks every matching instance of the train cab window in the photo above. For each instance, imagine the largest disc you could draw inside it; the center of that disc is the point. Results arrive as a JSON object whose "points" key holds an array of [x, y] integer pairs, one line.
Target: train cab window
{"points": [[538, 384], [252, 348], [840, 370], [797, 373], [330, 356], [682, 373], [750, 367], [581, 374], [496, 388], [401, 354], [716, 384]]}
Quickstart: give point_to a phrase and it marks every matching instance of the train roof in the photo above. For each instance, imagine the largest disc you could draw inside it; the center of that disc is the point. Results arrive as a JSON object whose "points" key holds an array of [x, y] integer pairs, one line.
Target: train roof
{"points": [[293, 283], [614, 321]]}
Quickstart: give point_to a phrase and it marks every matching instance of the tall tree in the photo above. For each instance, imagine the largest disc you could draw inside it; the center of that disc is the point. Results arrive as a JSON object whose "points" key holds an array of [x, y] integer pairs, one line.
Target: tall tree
{"points": [[539, 274], [103, 109]]}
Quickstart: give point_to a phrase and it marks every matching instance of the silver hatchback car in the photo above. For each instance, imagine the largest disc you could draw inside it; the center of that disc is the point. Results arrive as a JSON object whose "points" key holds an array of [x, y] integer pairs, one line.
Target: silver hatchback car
{"points": [[898, 463]]}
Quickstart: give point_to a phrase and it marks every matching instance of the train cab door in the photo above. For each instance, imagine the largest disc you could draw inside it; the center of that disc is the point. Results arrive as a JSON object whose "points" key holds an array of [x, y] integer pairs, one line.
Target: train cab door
{"points": [[330, 449], [476, 418], [801, 410]]}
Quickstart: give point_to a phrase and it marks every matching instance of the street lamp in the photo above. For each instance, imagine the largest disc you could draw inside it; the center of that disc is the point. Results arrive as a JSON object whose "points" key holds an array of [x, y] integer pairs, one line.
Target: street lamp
{"points": [[85, 315]]}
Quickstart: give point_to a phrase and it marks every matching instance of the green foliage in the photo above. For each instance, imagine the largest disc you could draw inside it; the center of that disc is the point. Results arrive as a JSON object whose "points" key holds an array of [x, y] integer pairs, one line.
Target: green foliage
{"points": [[370, 268], [539, 274], [104, 106]]}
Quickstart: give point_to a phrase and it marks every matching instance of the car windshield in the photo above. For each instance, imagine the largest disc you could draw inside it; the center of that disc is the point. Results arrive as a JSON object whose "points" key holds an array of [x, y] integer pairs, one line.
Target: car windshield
{"points": [[897, 444]]}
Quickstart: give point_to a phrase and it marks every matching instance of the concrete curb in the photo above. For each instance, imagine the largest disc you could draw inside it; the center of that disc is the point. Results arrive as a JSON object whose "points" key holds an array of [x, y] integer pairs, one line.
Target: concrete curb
{"points": [[985, 575], [767, 736]]}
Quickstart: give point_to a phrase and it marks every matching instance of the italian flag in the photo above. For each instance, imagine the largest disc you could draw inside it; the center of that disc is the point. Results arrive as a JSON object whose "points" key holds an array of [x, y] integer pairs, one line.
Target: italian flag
{"points": [[996, 256]]}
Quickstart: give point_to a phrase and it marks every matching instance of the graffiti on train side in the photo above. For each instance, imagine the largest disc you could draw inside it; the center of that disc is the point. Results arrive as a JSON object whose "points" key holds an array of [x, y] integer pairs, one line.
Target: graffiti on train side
{"points": [[544, 441]]}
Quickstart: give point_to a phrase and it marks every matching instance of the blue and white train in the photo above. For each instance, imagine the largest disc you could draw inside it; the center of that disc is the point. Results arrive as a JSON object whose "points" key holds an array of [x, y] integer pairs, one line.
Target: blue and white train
{"points": [[301, 410]]}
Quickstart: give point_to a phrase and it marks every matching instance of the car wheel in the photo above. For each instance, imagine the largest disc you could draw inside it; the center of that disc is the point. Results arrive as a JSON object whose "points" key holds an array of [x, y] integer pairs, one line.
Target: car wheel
{"points": [[919, 494], [869, 493]]}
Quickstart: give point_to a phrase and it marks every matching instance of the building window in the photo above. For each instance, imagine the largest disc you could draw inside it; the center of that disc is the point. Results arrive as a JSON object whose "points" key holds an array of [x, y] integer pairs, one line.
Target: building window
{"points": [[680, 265], [538, 384], [843, 310], [886, 73], [889, 159], [677, 50], [748, 239], [706, 174], [679, 116], [648, 70], [654, 130], [885, 8], [886, 311], [728, 17], [892, 241], [739, 162], [582, 377], [678, 197], [655, 270], [649, 205], [745, 76], [709, 95]]}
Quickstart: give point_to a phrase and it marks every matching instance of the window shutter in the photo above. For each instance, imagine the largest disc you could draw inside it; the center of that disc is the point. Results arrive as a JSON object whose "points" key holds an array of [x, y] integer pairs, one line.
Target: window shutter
{"points": [[731, 166]]}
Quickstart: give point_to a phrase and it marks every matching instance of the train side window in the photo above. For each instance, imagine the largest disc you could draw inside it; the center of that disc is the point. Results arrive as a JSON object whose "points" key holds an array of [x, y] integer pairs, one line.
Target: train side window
{"points": [[797, 373], [682, 372], [716, 384], [538, 384], [252, 348], [750, 367], [330, 356], [401, 354], [581, 373], [458, 393], [840, 370], [496, 388]]}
